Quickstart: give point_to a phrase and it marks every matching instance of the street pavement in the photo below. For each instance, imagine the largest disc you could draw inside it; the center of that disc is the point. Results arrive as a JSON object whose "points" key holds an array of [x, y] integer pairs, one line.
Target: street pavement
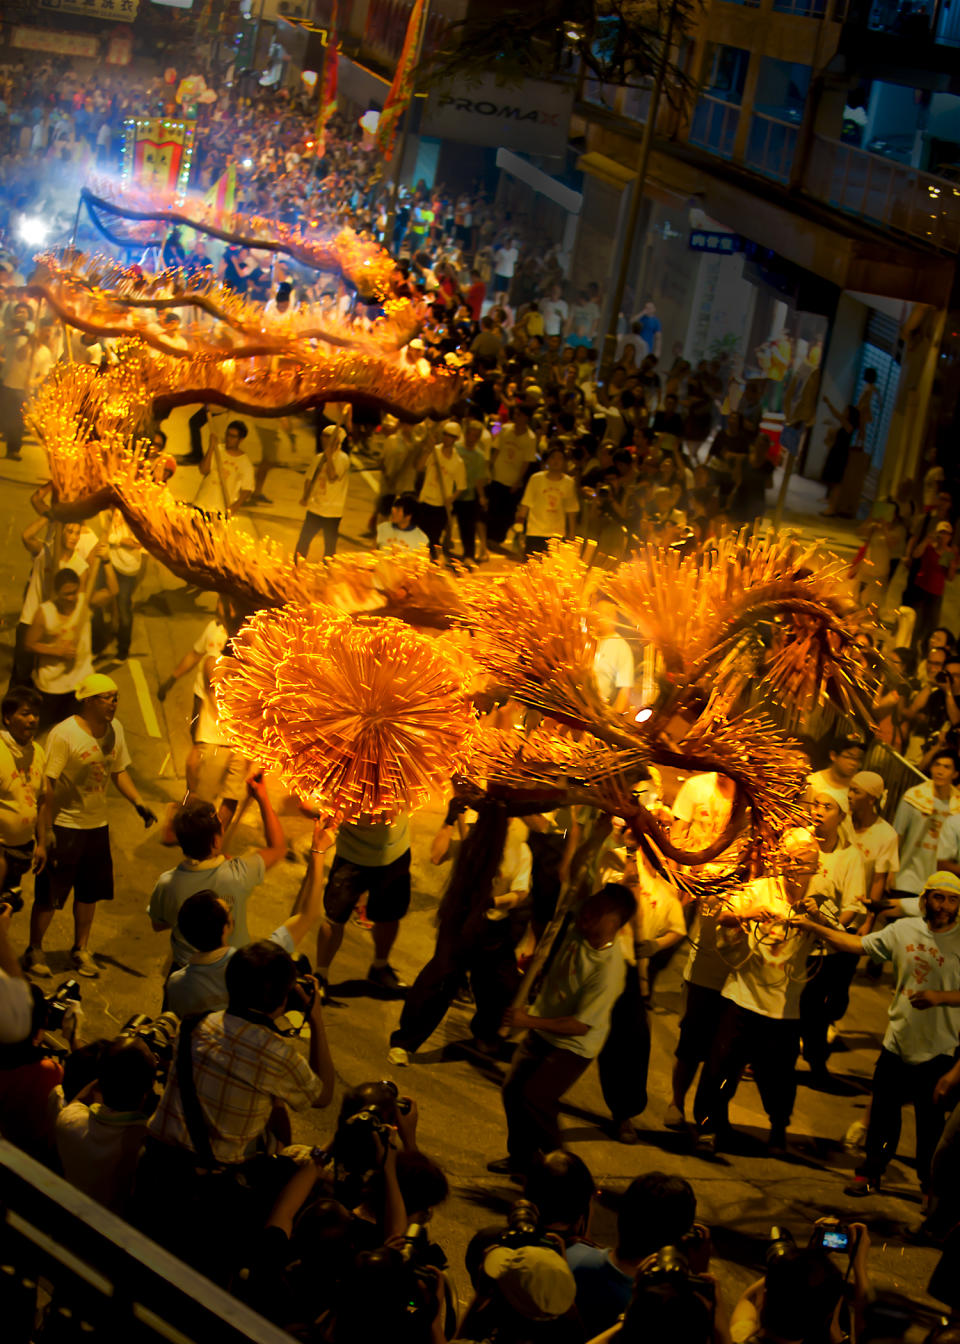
{"points": [[740, 1196]]}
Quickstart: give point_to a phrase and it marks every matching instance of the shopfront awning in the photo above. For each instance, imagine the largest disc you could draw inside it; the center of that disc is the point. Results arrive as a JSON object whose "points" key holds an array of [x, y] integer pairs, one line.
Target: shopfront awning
{"points": [[606, 169]]}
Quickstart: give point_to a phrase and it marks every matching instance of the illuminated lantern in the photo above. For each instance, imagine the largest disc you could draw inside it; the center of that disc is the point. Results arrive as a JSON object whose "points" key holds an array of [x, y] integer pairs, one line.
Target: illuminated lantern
{"points": [[368, 124], [169, 75], [309, 78]]}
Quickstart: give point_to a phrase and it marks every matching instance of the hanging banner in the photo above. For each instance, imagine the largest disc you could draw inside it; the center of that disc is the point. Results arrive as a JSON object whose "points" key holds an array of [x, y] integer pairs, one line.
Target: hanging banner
{"points": [[121, 10], [61, 44], [157, 154], [328, 86], [401, 90]]}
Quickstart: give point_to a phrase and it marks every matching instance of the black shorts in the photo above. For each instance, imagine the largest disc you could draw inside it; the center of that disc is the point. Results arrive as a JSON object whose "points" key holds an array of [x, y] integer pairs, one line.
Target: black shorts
{"points": [[79, 861], [387, 889], [698, 1026]]}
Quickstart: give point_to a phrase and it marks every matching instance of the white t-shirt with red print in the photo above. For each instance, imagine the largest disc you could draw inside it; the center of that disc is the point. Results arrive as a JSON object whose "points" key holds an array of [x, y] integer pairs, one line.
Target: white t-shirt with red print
{"points": [[921, 960], [549, 502]]}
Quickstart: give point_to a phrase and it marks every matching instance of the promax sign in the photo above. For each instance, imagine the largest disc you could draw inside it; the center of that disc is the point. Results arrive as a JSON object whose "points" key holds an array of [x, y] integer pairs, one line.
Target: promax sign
{"points": [[532, 118]]}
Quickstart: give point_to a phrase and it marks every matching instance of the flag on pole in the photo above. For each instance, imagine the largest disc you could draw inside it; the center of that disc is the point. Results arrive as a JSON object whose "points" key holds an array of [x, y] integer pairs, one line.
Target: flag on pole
{"points": [[222, 196], [328, 86], [401, 90]]}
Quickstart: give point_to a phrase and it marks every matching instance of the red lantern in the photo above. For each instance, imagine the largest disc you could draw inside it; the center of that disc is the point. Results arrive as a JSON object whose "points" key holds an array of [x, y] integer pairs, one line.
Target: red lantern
{"points": [[170, 75]]}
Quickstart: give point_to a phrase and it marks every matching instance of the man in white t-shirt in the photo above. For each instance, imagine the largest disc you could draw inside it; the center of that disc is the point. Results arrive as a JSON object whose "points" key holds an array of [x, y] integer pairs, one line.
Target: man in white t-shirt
{"points": [[514, 449], [846, 758], [444, 477], [827, 991], [84, 753], [924, 1023], [760, 1021], [325, 494], [875, 838], [22, 775], [612, 659], [399, 529], [228, 476], [554, 311], [549, 506], [504, 265]]}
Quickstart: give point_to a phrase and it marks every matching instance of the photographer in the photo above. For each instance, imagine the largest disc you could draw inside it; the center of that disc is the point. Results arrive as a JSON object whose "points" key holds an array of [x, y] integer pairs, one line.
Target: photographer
{"points": [[223, 1103], [99, 1133], [562, 1188], [800, 1297], [523, 1294], [671, 1302], [29, 1075], [206, 922], [16, 1003], [656, 1210]]}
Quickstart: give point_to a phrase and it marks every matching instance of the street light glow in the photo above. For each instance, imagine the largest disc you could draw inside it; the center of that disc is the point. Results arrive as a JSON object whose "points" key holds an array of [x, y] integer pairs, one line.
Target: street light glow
{"points": [[33, 230]]}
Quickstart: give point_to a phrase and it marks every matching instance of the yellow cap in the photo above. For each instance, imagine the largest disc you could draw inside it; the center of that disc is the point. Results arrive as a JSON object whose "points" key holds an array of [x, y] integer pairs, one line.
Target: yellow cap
{"points": [[95, 684]]}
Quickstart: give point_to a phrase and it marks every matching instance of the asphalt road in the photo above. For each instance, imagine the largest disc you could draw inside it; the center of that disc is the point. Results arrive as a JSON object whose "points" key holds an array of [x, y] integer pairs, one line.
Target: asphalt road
{"points": [[740, 1196]]}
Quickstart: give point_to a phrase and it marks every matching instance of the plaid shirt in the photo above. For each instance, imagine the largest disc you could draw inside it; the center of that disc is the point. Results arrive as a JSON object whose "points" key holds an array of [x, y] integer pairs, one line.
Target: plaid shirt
{"points": [[241, 1071]]}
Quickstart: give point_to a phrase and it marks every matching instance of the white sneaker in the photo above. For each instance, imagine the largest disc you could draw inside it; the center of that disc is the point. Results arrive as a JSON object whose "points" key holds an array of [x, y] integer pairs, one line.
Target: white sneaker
{"points": [[397, 1055], [33, 963], [832, 1034], [83, 962]]}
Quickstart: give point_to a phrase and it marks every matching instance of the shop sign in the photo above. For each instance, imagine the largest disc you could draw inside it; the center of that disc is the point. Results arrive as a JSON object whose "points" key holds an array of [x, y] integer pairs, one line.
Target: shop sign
{"points": [[59, 44], [533, 118], [121, 10], [703, 240]]}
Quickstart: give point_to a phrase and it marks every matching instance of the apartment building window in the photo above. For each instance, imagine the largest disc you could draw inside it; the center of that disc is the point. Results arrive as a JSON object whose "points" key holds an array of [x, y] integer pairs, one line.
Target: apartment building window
{"points": [[778, 105], [717, 112]]}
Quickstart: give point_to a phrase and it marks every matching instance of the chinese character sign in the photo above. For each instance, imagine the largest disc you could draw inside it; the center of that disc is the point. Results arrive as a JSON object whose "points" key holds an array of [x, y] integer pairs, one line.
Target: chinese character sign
{"points": [[121, 10], [157, 153]]}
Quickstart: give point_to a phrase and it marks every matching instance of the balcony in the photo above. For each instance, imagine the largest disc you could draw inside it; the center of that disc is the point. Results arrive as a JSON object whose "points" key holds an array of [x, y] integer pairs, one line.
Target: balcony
{"points": [[714, 125], [889, 193], [804, 9], [770, 147]]}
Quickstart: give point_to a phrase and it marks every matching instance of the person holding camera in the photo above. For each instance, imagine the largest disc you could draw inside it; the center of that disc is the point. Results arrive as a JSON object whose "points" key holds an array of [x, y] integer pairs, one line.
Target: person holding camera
{"points": [[801, 1295], [16, 1001], [656, 1210], [199, 831], [22, 772], [84, 753], [223, 1111], [568, 1027], [206, 922], [100, 1132], [239, 1067], [30, 1073], [523, 1288]]}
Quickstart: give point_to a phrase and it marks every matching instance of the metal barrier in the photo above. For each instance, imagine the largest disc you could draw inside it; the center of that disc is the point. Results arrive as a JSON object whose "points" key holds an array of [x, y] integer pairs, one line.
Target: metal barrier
{"points": [[71, 1271]]}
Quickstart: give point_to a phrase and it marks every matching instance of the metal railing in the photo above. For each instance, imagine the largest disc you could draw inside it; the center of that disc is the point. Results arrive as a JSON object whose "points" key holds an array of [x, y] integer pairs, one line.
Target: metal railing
{"points": [[714, 125], [72, 1271], [771, 145], [891, 193], [804, 9]]}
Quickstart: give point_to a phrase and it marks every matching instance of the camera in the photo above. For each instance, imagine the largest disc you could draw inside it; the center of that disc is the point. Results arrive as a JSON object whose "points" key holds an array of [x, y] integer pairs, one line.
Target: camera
{"points": [[13, 898], [523, 1227], [64, 999], [403, 1103], [671, 1266], [781, 1244], [300, 999], [159, 1035], [834, 1236]]}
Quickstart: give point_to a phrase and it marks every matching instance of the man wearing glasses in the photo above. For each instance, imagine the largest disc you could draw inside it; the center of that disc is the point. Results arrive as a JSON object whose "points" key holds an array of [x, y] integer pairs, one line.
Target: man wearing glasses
{"points": [[84, 753]]}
